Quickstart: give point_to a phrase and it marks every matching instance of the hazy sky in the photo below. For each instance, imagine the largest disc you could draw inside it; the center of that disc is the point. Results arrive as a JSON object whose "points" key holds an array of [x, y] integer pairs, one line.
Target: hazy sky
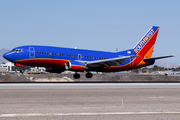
{"points": [[90, 24]]}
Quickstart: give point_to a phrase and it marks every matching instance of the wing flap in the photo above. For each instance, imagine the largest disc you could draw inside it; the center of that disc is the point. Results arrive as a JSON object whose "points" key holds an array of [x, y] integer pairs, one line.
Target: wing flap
{"points": [[109, 62]]}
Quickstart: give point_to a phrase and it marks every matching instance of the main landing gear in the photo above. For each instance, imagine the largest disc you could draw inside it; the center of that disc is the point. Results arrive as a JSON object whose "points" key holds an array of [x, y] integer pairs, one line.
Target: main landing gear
{"points": [[76, 76], [88, 75]]}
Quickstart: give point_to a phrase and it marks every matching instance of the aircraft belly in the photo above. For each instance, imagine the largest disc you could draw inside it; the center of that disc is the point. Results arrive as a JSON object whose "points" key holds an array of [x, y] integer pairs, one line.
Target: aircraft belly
{"points": [[43, 62]]}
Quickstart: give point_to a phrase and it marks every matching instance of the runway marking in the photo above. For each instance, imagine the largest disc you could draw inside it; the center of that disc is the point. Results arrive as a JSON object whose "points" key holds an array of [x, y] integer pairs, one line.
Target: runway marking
{"points": [[79, 114]]}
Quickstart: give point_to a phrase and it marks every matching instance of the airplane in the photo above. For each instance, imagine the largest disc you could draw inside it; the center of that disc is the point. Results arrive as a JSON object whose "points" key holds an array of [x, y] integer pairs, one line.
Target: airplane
{"points": [[59, 59]]}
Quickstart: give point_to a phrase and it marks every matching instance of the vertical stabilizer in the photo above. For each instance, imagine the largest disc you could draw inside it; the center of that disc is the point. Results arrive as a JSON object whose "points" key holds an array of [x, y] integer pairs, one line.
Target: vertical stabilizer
{"points": [[145, 46]]}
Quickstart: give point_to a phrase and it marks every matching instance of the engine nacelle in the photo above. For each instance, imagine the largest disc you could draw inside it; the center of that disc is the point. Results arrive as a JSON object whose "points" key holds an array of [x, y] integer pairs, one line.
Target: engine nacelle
{"points": [[75, 66], [151, 62]]}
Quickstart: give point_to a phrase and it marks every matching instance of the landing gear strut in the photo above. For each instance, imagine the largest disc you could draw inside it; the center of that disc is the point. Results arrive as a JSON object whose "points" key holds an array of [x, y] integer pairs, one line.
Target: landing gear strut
{"points": [[89, 75], [76, 76], [22, 71]]}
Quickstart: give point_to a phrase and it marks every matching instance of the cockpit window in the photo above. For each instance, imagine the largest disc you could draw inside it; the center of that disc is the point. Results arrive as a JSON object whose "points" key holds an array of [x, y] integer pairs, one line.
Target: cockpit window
{"points": [[17, 50]]}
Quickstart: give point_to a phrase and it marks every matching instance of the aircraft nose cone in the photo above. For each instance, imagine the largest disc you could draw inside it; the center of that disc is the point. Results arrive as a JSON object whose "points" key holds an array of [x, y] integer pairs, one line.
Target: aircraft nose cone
{"points": [[7, 56]]}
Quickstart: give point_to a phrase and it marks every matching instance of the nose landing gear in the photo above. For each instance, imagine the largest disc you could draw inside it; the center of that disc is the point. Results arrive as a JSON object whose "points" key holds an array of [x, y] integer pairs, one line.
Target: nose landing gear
{"points": [[22, 71]]}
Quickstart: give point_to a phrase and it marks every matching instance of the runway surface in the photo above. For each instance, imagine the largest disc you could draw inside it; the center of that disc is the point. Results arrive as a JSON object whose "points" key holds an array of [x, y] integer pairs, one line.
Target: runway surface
{"points": [[86, 85], [97, 101]]}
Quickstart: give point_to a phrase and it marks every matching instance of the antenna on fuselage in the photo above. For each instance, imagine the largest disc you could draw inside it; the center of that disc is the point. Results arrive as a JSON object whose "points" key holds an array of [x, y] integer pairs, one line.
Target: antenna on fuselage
{"points": [[116, 49]]}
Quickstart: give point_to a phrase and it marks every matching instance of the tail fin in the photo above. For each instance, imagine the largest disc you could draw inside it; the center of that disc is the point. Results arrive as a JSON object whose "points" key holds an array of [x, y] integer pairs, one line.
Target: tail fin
{"points": [[145, 46]]}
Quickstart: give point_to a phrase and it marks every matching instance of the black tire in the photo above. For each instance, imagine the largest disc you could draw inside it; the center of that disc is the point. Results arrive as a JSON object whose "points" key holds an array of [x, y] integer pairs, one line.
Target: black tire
{"points": [[21, 71], [76, 76], [89, 75]]}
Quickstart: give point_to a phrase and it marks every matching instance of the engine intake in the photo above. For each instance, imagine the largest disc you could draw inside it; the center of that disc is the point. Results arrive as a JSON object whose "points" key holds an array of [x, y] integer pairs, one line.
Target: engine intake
{"points": [[75, 66]]}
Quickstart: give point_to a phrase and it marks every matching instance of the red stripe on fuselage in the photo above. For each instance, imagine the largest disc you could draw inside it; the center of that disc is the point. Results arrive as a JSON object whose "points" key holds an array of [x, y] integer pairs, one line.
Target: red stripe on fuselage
{"points": [[77, 68], [43, 62]]}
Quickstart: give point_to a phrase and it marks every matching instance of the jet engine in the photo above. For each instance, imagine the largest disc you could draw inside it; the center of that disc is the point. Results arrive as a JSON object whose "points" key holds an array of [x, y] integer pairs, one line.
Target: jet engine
{"points": [[75, 66], [151, 62]]}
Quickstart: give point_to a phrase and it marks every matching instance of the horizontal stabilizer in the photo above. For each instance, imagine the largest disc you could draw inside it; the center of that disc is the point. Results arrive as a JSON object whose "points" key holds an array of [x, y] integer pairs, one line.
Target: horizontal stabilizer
{"points": [[155, 58]]}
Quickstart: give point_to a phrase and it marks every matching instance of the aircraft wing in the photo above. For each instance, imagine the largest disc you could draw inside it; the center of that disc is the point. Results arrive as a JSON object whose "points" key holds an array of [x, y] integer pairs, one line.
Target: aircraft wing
{"points": [[109, 62], [155, 58]]}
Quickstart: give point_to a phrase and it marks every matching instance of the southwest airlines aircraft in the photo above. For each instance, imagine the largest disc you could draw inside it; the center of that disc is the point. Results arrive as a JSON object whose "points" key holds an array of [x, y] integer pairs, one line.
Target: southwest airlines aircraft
{"points": [[58, 59]]}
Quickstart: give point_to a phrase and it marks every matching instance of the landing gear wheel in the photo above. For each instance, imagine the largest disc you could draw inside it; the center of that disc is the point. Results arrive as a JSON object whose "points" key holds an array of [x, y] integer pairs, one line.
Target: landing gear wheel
{"points": [[22, 71], [76, 76], [89, 75]]}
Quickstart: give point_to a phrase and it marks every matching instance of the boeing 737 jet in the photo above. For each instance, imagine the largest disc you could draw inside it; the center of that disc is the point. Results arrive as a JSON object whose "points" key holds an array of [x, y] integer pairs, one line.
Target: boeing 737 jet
{"points": [[58, 59]]}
